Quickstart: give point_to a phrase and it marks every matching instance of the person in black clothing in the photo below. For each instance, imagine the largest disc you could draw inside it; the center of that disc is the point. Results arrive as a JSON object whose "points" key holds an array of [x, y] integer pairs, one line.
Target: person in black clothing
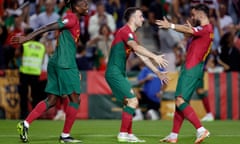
{"points": [[3, 36], [229, 56], [156, 11]]}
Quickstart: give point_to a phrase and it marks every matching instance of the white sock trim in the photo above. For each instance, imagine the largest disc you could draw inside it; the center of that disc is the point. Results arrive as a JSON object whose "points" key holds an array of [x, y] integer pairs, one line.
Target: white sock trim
{"points": [[201, 129], [65, 135], [173, 135], [26, 124]]}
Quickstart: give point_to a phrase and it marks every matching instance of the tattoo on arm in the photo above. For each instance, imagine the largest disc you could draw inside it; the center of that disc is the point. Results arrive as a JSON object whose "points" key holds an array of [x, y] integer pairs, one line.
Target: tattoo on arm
{"points": [[49, 27]]}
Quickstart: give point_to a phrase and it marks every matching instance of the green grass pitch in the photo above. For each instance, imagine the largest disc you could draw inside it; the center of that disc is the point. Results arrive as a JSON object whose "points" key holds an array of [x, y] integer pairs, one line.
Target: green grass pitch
{"points": [[105, 131]]}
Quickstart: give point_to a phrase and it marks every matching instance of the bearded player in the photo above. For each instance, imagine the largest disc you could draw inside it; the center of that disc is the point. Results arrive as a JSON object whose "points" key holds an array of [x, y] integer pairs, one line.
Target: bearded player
{"points": [[124, 43], [191, 71]]}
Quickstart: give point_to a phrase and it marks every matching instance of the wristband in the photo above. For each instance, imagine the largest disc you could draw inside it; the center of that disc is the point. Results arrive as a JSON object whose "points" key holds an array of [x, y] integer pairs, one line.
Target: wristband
{"points": [[172, 26]]}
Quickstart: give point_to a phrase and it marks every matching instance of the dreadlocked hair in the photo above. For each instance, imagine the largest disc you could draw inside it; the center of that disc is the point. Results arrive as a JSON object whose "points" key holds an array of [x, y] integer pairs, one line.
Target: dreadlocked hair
{"points": [[68, 3], [71, 3]]}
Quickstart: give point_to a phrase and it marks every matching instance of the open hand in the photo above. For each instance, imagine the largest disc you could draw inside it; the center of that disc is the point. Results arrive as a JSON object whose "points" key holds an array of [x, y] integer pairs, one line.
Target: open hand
{"points": [[163, 23], [188, 24], [161, 61], [163, 77]]}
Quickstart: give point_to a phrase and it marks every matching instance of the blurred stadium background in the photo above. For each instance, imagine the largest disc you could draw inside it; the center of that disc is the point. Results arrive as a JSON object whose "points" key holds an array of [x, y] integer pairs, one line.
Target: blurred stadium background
{"points": [[99, 113]]}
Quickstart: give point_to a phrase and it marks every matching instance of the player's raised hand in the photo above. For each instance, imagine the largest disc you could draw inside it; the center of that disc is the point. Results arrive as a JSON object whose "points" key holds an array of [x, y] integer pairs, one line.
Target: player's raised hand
{"points": [[161, 61], [162, 75], [163, 23], [188, 24]]}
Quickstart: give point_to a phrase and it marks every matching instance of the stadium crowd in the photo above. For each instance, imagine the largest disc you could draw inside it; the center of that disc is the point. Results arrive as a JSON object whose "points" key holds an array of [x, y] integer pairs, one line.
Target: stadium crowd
{"points": [[104, 19]]}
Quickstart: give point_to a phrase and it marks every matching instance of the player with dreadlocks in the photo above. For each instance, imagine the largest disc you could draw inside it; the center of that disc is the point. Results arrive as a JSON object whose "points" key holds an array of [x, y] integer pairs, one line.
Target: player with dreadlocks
{"points": [[63, 74]]}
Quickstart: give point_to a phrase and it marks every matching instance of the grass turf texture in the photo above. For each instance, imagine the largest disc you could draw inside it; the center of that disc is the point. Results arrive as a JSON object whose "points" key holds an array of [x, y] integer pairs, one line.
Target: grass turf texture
{"points": [[105, 131]]}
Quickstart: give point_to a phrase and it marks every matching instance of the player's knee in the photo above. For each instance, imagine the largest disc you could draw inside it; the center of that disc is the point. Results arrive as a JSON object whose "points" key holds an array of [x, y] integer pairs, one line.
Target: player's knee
{"points": [[179, 100], [75, 98], [51, 100], [200, 91], [133, 102]]}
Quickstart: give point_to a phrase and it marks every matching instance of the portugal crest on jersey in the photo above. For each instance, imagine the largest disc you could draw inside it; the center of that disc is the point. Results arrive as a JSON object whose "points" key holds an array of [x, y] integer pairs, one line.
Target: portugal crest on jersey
{"points": [[130, 35]]}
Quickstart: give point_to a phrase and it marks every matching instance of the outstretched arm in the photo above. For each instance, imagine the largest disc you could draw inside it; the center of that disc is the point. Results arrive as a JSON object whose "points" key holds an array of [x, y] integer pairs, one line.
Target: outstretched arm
{"points": [[181, 28], [144, 52], [49, 27], [161, 75]]}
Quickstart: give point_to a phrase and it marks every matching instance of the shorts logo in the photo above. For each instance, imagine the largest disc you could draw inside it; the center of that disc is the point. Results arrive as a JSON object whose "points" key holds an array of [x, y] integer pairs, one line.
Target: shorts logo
{"points": [[132, 92]]}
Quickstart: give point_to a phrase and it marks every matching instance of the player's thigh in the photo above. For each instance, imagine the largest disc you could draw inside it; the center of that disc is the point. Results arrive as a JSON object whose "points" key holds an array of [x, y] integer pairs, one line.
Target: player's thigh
{"points": [[120, 87], [52, 86], [186, 86], [69, 81]]}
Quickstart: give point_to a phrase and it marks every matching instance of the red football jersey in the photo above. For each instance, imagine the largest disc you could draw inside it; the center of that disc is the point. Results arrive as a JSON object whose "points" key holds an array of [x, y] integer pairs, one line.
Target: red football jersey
{"points": [[200, 45]]}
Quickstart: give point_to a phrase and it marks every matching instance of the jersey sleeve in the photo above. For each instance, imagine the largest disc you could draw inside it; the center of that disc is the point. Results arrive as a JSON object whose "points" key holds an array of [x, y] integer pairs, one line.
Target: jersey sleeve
{"points": [[127, 36], [199, 31], [67, 22]]}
